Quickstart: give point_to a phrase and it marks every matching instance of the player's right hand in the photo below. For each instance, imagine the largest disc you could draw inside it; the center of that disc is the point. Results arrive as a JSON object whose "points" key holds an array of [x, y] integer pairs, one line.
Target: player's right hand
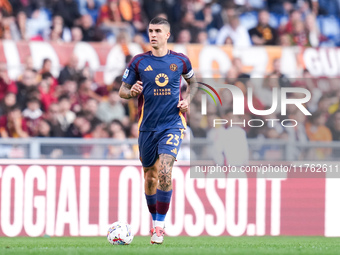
{"points": [[136, 89]]}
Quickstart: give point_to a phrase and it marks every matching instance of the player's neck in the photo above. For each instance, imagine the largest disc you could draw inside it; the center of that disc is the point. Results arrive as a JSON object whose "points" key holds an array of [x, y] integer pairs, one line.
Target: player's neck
{"points": [[160, 52]]}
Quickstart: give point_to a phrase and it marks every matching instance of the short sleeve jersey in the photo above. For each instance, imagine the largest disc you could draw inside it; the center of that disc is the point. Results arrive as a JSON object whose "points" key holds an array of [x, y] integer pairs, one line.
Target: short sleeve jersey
{"points": [[161, 77]]}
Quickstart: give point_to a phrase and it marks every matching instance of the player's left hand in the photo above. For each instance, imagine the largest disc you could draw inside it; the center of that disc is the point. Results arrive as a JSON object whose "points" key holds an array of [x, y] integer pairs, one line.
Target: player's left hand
{"points": [[183, 105]]}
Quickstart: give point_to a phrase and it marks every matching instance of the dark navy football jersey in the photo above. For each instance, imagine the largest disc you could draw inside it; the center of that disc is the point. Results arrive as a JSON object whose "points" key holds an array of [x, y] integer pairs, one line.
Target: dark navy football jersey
{"points": [[161, 77]]}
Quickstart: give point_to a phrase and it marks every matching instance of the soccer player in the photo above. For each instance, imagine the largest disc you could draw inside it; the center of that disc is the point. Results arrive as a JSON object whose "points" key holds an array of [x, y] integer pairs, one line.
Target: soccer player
{"points": [[155, 77]]}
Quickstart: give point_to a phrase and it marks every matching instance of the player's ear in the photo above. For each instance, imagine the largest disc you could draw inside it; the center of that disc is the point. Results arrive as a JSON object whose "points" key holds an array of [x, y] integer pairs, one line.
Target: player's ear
{"points": [[168, 35]]}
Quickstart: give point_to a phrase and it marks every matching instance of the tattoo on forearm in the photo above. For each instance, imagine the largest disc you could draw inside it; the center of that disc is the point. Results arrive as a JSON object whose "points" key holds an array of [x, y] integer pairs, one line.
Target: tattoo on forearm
{"points": [[125, 90], [165, 171], [192, 88]]}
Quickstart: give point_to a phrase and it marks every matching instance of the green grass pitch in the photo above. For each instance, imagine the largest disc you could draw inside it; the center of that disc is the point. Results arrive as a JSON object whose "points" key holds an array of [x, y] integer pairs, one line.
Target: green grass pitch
{"points": [[172, 245]]}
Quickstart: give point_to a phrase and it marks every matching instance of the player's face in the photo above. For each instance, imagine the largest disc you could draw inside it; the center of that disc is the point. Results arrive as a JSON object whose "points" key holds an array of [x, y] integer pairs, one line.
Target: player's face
{"points": [[158, 35]]}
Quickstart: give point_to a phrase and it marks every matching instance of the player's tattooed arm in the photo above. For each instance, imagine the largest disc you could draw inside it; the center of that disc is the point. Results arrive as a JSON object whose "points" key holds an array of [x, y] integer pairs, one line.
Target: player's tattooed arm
{"points": [[166, 163], [125, 91], [128, 91], [192, 88]]}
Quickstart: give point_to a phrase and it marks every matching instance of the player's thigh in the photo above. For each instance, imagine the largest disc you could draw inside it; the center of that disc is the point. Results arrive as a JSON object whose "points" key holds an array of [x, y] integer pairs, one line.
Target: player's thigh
{"points": [[147, 149], [170, 142], [165, 164]]}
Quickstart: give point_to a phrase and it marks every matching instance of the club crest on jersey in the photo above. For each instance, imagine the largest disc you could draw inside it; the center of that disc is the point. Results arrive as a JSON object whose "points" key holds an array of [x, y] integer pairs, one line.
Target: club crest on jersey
{"points": [[162, 79], [173, 67], [126, 73]]}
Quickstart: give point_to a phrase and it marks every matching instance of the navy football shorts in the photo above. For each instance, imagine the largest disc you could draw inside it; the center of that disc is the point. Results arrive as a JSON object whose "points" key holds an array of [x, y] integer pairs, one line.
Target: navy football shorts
{"points": [[153, 143]]}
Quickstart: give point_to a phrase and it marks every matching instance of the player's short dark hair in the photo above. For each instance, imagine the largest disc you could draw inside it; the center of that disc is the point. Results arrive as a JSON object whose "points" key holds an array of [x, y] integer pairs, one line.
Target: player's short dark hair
{"points": [[160, 21]]}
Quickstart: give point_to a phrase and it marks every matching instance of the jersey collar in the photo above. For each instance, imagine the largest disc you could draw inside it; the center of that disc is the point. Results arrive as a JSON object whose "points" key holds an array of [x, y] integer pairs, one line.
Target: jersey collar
{"points": [[169, 51]]}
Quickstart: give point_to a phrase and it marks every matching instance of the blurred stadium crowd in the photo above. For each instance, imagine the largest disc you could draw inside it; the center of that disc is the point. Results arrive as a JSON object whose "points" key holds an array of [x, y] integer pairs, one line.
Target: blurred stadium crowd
{"points": [[236, 22], [73, 104]]}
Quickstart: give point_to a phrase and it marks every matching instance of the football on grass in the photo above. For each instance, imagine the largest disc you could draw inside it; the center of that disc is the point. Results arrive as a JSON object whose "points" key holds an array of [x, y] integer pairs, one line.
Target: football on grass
{"points": [[119, 233]]}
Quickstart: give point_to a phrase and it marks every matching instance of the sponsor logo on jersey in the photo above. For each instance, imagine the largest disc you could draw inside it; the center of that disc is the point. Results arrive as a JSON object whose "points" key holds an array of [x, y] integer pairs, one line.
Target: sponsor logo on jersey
{"points": [[174, 151], [162, 79], [162, 92], [149, 68], [126, 73], [173, 67]]}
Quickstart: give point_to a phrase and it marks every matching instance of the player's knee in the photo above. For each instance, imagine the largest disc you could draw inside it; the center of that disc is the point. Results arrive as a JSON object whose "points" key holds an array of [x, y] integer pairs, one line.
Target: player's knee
{"points": [[164, 178], [151, 180]]}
